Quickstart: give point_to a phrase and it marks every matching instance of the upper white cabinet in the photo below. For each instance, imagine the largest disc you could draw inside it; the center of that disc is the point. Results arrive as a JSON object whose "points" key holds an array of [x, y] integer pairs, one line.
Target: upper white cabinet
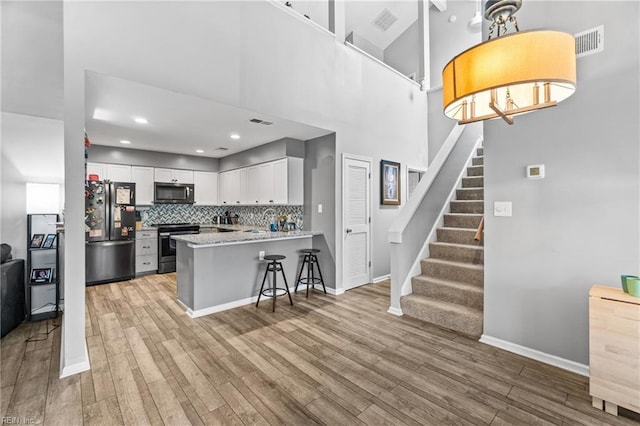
{"points": [[99, 169], [206, 188], [118, 173], [229, 187], [275, 182], [113, 172], [173, 175], [250, 185], [143, 178]]}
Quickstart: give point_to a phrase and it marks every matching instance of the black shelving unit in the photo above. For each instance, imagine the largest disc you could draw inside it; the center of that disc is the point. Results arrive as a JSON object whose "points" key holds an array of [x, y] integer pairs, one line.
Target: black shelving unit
{"points": [[43, 261]]}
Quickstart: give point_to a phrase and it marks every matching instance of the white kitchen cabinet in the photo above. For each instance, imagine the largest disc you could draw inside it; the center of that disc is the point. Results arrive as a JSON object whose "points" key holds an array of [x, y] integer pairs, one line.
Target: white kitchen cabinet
{"points": [[280, 190], [173, 175], [143, 178], [282, 181], [99, 169], [118, 173], [205, 185], [266, 183], [112, 172], [276, 182], [250, 185], [229, 187]]}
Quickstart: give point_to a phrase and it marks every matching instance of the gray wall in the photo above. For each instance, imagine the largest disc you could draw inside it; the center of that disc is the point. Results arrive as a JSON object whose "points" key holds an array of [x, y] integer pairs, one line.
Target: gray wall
{"points": [[13, 209], [449, 39], [286, 147], [578, 226], [319, 188], [138, 157], [403, 53], [439, 124]]}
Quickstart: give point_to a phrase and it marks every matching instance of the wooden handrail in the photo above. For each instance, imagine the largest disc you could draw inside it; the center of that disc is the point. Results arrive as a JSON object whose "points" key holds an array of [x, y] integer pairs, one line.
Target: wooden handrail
{"points": [[480, 230]]}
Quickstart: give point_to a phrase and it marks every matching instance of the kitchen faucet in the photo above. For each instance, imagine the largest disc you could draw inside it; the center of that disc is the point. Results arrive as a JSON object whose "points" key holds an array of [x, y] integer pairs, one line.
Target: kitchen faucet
{"points": [[266, 211]]}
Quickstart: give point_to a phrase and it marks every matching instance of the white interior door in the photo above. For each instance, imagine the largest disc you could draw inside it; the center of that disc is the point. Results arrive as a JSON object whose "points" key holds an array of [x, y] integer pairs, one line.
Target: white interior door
{"points": [[356, 184]]}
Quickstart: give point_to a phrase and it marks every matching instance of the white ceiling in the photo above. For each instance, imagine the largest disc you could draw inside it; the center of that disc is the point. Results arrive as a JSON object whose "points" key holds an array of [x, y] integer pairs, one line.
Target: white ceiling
{"points": [[178, 123], [361, 14]]}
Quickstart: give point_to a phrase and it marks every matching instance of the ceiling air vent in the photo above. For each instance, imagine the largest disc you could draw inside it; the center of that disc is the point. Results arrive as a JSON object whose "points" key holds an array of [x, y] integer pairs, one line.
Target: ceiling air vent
{"points": [[384, 20], [263, 122], [590, 41]]}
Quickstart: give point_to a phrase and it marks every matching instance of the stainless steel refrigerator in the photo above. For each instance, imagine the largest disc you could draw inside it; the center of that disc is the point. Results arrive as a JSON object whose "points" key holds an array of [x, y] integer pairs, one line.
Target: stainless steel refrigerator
{"points": [[110, 231]]}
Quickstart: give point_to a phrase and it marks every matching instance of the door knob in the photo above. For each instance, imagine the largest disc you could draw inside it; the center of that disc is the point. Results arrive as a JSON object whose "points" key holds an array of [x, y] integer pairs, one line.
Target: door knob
{"points": [[349, 230]]}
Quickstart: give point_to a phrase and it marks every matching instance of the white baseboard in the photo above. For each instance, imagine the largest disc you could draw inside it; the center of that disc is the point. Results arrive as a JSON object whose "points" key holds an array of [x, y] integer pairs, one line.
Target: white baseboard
{"points": [[72, 369], [395, 311], [381, 278], [237, 303], [335, 292], [556, 361], [79, 367]]}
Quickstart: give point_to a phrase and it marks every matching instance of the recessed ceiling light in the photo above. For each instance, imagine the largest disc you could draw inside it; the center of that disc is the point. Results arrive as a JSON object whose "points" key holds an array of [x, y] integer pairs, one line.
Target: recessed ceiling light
{"points": [[124, 142], [141, 120], [199, 151], [234, 136]]}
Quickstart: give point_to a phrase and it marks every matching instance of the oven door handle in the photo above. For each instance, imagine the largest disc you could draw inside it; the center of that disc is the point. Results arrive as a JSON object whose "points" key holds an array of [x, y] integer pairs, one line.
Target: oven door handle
{"points": [[165, 234]]}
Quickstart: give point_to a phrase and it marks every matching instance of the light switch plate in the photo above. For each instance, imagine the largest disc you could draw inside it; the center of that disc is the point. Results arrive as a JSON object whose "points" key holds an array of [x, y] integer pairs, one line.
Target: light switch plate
{"points": [[502, 208], [319, 208]]}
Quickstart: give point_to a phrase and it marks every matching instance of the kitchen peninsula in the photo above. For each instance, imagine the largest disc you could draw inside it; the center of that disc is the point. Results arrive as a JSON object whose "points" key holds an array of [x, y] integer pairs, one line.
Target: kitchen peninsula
{"points": [[220, 271]]}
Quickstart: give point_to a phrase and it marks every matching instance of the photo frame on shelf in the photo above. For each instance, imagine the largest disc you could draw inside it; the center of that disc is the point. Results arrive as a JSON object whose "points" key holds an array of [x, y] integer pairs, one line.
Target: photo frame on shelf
{"points": [[48, 241], [36, 241], [41, 275], [390, 183]]}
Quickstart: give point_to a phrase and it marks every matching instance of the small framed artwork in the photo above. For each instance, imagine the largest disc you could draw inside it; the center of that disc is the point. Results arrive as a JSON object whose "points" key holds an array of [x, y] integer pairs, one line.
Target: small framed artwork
{"points": [[41, 275], [49, 240], [389, 183], [36, 240]]}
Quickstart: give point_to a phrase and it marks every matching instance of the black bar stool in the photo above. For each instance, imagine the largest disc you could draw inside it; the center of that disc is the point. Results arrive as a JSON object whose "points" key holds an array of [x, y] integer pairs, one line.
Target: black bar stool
{"points": [[310, 259], [273, 266]]}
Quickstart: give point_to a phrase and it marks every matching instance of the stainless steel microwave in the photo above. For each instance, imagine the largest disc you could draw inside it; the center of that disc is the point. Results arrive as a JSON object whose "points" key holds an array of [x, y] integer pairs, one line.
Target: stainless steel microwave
{"points": [[173, 193]]}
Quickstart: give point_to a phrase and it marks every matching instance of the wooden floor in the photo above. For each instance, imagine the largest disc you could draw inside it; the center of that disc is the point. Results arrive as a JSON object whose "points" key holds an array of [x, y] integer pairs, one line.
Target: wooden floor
{"points": [[326, 360]]}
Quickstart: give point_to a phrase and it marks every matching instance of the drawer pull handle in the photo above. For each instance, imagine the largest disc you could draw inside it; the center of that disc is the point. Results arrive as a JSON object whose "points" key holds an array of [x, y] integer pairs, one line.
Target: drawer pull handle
{"points": [[146, 263], [146, 246]]}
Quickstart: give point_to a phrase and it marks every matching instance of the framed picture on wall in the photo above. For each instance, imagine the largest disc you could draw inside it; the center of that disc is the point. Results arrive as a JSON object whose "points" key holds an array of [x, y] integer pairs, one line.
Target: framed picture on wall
{"points": [[389, 182]]}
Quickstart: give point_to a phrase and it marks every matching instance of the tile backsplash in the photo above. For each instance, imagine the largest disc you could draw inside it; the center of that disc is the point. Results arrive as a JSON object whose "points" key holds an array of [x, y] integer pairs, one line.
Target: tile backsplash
{"points": [[249, 215]]}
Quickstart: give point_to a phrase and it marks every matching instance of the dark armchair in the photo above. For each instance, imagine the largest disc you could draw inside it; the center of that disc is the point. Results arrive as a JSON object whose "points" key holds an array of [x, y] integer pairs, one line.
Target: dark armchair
{"points": [[12, 311]]}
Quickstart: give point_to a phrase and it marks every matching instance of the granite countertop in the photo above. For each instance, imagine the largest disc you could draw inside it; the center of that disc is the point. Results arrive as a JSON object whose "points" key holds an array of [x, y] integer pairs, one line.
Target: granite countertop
{"points": [[222, 238], [228, 227]]}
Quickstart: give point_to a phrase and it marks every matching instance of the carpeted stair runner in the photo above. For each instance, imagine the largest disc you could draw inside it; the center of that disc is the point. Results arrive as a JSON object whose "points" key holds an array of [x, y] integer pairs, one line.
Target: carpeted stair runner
{"points": [[450, 290]]}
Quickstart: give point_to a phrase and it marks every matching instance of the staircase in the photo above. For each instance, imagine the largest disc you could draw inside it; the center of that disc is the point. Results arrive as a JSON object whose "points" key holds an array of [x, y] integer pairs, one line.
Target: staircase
{"points": [[450, 290]]}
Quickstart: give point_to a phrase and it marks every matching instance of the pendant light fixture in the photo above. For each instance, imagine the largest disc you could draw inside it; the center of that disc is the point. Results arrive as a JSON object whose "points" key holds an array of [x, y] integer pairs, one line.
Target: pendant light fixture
{"points": [[510, 74]]}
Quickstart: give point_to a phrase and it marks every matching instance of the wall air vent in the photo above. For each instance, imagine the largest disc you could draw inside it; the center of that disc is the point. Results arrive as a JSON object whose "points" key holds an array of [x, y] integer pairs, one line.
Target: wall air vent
{"points": [[590, 41], [263, 122], [222, 148], [384, 20]]}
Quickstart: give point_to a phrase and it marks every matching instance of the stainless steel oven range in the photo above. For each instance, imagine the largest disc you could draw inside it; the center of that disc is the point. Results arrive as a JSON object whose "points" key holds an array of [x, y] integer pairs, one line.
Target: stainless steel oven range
{"points": [[167, 246]]}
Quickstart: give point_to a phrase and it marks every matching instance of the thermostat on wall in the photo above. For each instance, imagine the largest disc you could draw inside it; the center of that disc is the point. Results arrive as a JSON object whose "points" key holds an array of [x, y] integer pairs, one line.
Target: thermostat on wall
{"points": [[535, 172]]}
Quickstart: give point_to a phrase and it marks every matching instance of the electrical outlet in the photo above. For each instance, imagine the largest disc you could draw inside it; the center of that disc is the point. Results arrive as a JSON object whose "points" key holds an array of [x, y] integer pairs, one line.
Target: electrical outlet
{"points": [[319, 208], [261, 255]]}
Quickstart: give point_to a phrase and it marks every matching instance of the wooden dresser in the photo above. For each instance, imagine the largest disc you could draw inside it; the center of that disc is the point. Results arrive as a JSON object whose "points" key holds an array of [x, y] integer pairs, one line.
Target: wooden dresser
{"points": [[614, 349]]}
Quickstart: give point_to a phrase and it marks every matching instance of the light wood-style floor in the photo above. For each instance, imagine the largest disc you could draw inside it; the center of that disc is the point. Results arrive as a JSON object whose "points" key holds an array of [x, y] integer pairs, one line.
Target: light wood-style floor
{"points": [[326, 360]]}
